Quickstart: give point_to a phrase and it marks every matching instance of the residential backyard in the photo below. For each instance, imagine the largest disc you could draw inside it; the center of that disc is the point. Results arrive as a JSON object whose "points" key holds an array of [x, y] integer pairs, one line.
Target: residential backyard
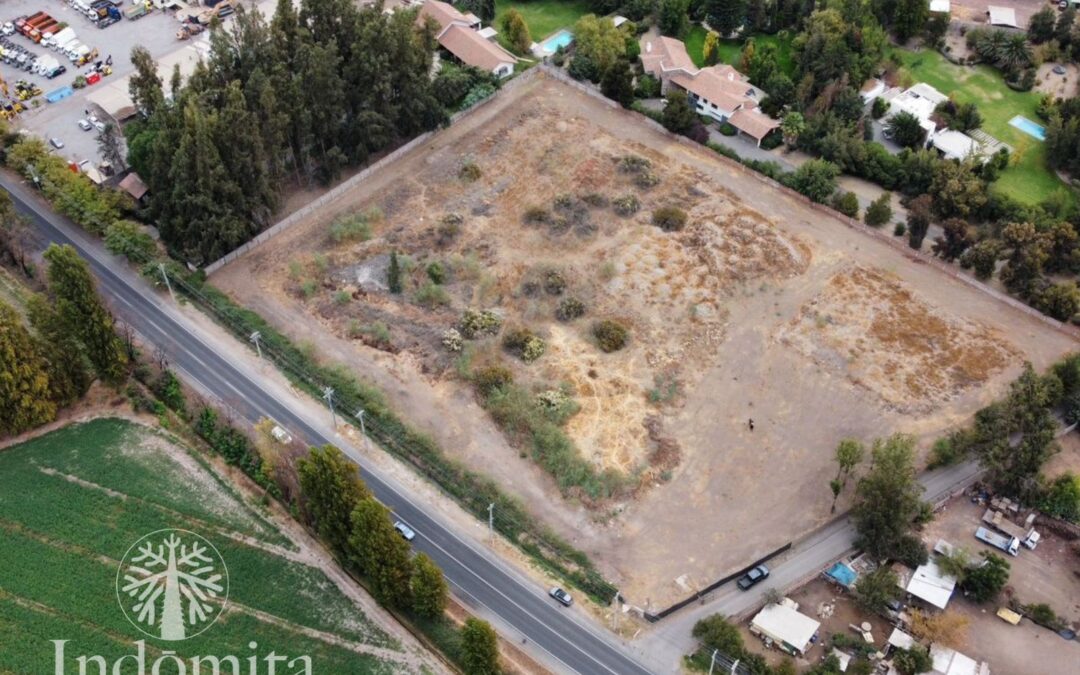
{"points": [[1027, 179], [731, 50], [543, 17]]}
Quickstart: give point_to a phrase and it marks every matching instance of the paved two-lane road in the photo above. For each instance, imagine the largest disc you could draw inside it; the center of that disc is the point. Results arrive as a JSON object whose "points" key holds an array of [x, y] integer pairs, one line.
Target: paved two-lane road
{"points": [[518, 605]]}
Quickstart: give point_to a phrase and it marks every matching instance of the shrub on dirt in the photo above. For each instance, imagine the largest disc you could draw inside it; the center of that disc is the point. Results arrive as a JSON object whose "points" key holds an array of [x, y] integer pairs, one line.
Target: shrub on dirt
{"points": [[490, 379], [557, 405], [355, 226], [342, 297], [610, 335], [470, 172], [626, 206], [899, 230], [554, 282], [536, 215], [563, 202], [569, 309], [475, 323], [669, 218], [436, 271], [308, 288], [452, 340], [646, 180], [431, 295], [524, 344], [448, 229], [634, 164], [846, 203], [595, 200]]}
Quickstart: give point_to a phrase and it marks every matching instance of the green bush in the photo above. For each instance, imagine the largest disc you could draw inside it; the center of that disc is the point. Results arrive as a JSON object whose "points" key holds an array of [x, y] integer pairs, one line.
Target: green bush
{"points": [[354, 227], [491, 378], [524, 344], [634, 164], [554, 282], [899, 230], [846, 203], [646, 180], [669, 218], [569, 308], [431, 295], [728, 130], [436, 271], [879, 108], [126, 238], [342, 297], [475, 323], [611, 336], [879, 212], [470, 172], [626, 206]]}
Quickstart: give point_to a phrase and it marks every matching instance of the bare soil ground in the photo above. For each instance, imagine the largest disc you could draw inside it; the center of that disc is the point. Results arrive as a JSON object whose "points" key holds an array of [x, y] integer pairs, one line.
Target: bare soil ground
{"points": [[1059, 86], [728, 309]]}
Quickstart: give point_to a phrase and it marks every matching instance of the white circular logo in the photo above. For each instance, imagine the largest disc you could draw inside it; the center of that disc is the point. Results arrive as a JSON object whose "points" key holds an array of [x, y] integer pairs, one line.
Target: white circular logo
{"points": [[172, 584]]}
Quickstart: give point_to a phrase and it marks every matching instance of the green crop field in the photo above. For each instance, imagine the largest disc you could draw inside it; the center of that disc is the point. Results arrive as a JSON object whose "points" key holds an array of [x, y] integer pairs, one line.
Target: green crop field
{"points": [[71, 504]]}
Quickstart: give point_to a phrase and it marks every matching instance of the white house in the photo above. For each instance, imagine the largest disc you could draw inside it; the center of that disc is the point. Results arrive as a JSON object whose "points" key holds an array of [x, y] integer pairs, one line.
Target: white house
{"points": [[784, 625], [463, 37], [956, 145], [719, 92], [920, 100]]}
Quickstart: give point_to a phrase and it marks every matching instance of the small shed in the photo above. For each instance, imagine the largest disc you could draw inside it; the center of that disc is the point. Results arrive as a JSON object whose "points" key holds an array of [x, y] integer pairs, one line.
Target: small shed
{"points": [[900, 640], [1002, 16], [951, 662], [134, 186], [928, 583], [940, 6], [789, 629]]}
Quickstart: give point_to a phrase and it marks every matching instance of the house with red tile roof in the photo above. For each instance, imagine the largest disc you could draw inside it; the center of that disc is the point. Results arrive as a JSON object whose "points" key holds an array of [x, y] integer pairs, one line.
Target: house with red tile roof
{"points": [[720, 92], [461, 36]]}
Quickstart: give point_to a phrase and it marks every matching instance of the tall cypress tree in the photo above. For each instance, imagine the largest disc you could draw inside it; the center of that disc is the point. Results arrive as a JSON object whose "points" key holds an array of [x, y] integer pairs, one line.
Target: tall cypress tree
{"points": [[83, 314], [65, 357], [24, 384], [381, 553]]}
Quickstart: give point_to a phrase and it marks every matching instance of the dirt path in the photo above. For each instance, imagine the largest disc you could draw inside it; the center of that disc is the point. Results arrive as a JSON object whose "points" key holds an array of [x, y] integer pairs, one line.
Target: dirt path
{"points": [[808, 368]]}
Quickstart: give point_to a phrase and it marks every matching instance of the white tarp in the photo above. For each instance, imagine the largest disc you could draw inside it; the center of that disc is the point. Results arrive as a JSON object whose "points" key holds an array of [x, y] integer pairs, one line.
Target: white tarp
{"points": [[941, 6], [932, 585], [784, 624], [1002, 16]]}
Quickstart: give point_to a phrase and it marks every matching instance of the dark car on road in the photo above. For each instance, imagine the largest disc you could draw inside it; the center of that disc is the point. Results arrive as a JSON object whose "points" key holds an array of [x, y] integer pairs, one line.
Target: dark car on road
{"points": [[753, 577]]}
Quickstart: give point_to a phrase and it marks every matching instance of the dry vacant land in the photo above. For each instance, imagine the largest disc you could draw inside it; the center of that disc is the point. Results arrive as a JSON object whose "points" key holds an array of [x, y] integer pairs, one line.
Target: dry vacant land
{"points": [[760, 307]]}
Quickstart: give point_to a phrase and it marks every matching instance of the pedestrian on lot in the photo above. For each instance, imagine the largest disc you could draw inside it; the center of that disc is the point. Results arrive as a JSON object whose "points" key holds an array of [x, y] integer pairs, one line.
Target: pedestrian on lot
{"points": [[751, 424]]}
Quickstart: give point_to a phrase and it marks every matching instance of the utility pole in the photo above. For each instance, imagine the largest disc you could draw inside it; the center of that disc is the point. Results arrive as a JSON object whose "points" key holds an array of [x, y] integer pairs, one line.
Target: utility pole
{"points": [[255, 337], [165, 276], [328, 394], [491, 522], [615, 612], [712, 663], [360, 416], [734, 666]]}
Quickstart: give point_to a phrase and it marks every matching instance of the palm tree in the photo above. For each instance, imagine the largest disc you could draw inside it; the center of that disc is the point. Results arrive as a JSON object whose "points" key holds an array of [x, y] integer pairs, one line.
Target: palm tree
{"points": [[1014, 53]]}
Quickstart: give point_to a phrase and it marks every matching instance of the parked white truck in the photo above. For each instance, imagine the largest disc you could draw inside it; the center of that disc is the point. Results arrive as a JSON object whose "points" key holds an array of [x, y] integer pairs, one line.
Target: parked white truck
{"points": [[62, 39], [1010, 545]]}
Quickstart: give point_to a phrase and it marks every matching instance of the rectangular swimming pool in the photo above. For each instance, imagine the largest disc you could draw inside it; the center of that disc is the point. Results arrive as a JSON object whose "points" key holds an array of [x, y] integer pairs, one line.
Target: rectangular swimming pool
{"points": [[562, 38], [1028, 127]]}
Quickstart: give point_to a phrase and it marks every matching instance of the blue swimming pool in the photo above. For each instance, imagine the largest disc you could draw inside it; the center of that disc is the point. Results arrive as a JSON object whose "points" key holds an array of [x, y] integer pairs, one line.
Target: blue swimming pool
{"points": [[1028, 127], [563, 38]]}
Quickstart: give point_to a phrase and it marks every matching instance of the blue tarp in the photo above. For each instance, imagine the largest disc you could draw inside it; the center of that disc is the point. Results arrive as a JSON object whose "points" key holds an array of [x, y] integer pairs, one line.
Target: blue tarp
{"points": [[842, 574], [59, 94]]}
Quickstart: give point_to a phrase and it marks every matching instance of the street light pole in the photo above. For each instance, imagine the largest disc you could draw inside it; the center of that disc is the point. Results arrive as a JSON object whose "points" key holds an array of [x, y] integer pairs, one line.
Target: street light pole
{"points": [[615, 612], [491, 522], [165, 276], [255, 337], [328, 394], [360, 416], [712, 663]]}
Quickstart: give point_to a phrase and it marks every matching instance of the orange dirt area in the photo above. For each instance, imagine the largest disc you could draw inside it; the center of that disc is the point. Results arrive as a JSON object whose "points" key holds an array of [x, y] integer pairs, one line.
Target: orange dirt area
{"points": [[870, 325], [721, 327]]}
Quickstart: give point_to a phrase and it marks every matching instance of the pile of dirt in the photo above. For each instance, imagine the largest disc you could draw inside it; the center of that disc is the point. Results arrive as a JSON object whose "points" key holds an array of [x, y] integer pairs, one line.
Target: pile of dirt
{"points": [[869, 326]]}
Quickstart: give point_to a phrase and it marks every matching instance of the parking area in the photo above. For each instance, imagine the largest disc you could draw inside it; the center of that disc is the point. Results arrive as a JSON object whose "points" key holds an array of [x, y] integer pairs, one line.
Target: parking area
{"points": [[156, 31]]}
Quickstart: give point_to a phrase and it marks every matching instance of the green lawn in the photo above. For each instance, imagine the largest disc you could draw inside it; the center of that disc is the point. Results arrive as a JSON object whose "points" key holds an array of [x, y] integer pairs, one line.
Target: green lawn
{"points": [[731, 50], [543, 17], [1027, 179], [62, 537]]}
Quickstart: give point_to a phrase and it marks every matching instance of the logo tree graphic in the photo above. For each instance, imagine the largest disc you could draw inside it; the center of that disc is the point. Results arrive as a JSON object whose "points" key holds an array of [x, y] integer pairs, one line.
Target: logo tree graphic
{"points": [[173, 584]]}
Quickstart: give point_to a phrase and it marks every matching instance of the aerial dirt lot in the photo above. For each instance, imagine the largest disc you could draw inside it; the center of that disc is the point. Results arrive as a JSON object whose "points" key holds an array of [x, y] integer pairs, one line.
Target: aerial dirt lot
{"points": [[760, 307]]}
